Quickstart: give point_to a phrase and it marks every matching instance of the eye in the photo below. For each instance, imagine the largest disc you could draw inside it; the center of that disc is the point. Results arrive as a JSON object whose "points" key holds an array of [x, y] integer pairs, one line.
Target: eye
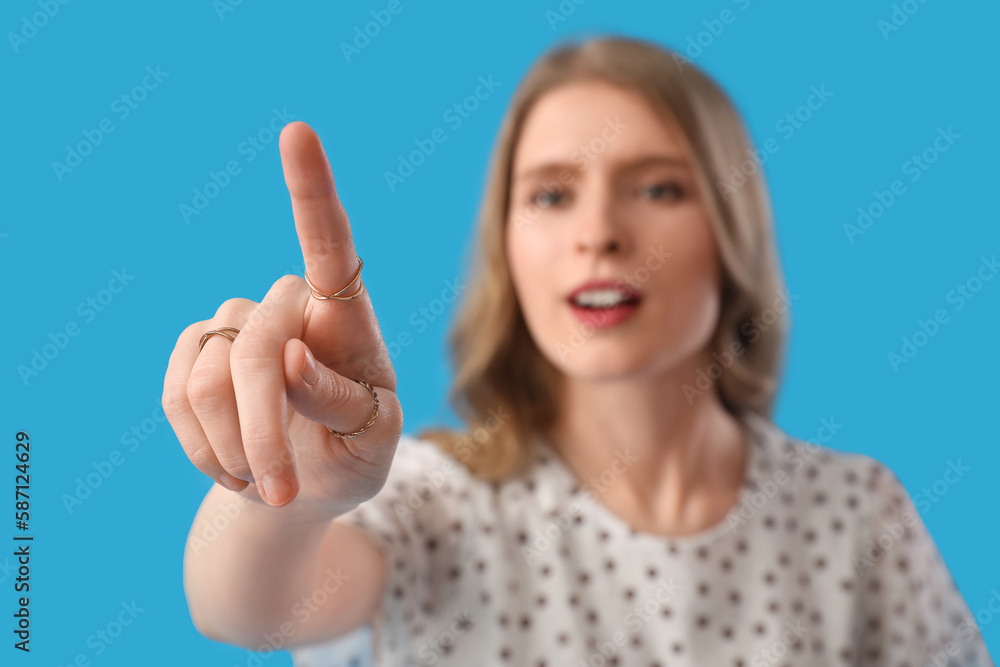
{"points": [[546, 198], [666, 191]]}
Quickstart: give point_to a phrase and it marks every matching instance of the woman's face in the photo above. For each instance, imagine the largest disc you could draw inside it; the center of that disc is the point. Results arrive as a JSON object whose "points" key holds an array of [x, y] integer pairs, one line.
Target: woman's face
{"points": [[602, 193]]}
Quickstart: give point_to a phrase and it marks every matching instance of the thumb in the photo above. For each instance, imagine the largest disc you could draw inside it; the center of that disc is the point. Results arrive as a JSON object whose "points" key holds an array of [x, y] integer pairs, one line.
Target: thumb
{"points": [[321, 394]]}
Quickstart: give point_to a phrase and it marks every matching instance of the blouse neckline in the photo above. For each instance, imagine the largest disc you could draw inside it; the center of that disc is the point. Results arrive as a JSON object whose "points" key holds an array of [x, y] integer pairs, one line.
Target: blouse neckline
{"points": [[758, 432]]}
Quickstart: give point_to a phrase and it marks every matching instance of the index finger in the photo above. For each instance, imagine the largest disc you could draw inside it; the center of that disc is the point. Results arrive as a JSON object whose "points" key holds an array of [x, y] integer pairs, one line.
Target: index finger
{"points": [[320, 219]]}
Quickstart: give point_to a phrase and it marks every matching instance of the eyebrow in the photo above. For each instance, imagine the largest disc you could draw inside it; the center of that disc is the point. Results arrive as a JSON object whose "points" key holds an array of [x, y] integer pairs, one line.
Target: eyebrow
{"points": [[573, 167]]}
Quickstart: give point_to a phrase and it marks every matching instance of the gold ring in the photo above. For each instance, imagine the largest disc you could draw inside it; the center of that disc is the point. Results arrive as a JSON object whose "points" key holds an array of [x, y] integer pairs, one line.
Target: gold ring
{"points": [[221, 331], [370, 421], [337, 295]]}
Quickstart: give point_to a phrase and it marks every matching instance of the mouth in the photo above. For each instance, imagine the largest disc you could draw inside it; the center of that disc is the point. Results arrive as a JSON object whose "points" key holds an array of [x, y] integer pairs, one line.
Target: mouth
{"points": [[603, 305]]}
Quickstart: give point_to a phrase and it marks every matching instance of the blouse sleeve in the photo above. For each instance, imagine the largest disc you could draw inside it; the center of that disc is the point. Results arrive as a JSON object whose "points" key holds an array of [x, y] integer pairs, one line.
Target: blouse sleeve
{"points": [[416, 521], [911, 611]]}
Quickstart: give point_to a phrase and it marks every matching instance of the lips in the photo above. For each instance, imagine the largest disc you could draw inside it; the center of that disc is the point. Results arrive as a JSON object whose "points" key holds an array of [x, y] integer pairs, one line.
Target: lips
{"points": [[606, 317]]}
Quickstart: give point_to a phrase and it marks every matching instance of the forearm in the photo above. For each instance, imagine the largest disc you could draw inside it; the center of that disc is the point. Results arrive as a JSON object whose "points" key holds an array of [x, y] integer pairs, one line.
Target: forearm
{"points": [[251, 570], [244, 563]]}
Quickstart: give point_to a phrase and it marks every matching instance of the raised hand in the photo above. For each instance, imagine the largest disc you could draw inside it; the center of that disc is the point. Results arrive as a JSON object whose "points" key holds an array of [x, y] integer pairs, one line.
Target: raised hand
{"points": [[253, 414]]}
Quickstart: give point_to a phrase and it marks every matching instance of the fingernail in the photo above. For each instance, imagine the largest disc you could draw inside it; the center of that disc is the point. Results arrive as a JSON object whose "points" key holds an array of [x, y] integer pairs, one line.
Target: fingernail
{"points": [[276, 490], [309, 373], [231, 483]]}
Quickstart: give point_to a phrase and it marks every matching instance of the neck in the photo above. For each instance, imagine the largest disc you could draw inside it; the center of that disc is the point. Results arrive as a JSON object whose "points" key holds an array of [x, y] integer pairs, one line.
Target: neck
{"points": [[671, 464]]}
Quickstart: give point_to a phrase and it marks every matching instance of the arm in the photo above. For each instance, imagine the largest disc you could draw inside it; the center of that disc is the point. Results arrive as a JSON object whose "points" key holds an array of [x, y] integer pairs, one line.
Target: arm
{"points": [[257, 582], [273, 416]]}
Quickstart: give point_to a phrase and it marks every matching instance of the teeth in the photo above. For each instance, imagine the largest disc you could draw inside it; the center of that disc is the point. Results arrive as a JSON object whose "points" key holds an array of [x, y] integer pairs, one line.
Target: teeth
{"points": [[599, 298]]}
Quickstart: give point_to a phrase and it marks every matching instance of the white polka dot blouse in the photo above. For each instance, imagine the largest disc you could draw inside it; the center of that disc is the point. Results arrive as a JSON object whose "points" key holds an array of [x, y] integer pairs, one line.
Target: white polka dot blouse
{"points": [[824, 560]]}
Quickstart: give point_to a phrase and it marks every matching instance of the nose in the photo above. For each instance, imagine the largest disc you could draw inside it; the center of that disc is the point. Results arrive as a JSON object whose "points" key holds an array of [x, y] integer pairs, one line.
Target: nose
{"points": [[597, 231]]}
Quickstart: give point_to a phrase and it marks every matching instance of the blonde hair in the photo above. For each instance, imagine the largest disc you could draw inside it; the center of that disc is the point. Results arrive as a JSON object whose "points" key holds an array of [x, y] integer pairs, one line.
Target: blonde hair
{"points": [[504, 389]]}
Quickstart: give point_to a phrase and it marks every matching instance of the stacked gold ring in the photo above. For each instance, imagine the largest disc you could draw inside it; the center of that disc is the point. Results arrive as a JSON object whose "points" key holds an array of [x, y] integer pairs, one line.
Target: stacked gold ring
{"points": [[337, 295], [221, 331]]}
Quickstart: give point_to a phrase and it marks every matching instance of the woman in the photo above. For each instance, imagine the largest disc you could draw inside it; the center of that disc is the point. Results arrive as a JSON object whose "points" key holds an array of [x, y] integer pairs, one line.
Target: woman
{"points": [[620, 495]]}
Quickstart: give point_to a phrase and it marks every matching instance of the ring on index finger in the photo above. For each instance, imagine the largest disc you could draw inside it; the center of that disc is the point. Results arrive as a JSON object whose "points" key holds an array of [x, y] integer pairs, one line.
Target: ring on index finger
{"points": [[318, 294]]}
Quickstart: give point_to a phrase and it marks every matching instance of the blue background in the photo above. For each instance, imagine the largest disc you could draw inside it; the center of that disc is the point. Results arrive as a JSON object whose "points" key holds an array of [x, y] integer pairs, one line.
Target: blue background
{"points": [[60, 240]]}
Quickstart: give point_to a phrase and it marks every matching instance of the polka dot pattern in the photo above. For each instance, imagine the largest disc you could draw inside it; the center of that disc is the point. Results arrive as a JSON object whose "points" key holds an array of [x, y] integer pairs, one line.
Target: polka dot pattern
{"points": [[823, 560]]}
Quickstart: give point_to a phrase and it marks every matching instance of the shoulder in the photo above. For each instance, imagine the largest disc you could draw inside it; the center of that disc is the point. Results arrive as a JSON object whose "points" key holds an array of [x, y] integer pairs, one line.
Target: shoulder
{"points": [[811, 458], [853, 514], [820, 476]]}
